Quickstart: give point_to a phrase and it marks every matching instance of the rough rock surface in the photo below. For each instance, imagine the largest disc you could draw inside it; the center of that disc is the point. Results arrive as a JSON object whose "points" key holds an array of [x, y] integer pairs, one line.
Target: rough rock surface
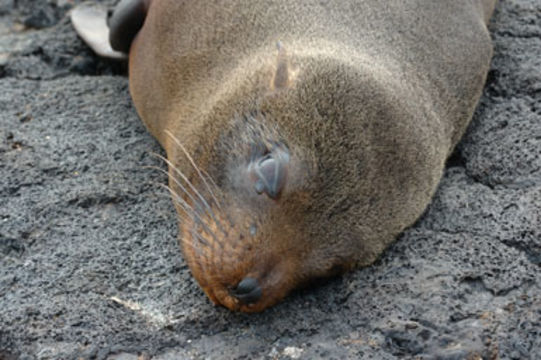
{"points": [[90, 266]]}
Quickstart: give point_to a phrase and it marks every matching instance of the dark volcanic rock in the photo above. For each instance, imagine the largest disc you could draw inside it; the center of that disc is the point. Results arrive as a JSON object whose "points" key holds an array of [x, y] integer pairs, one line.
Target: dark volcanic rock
{"points": [[90, 266]]}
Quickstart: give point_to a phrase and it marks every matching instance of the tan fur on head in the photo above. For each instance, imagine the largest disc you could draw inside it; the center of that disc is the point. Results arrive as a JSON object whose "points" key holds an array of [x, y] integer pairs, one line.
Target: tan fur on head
{"points": [[312, 157]]}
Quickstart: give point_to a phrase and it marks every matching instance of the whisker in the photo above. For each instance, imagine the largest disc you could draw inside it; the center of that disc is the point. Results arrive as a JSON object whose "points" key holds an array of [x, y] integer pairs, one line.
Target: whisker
{"points": [[185, 241], [192, 246], [176, 182], [195, 167], [185, 206], [205, 203], [192, 213], [209, 178], [168, 197], [183, 178], [201, 239]]}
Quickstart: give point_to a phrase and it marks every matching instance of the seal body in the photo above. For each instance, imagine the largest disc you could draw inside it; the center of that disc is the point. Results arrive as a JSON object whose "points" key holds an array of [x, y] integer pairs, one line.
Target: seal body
{"points": [[300, 161]]}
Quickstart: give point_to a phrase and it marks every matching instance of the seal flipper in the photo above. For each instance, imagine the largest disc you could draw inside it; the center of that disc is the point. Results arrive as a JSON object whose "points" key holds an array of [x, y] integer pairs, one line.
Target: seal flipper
{"points": [[127, 20], [90, 22], [110, 38]]}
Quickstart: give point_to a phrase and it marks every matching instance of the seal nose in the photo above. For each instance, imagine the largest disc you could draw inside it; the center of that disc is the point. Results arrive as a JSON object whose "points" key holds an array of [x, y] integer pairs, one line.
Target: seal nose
{"points": [[247, 291]]}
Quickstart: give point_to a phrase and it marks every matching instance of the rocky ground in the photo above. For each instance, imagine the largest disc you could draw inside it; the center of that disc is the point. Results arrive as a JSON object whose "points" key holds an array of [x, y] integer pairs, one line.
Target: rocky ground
{"points": [[90, 267]]}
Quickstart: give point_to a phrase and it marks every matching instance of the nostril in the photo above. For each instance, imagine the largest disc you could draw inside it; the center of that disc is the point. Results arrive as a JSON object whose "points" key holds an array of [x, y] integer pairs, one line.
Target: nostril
{"points": [[247, 291], [246, 286]]}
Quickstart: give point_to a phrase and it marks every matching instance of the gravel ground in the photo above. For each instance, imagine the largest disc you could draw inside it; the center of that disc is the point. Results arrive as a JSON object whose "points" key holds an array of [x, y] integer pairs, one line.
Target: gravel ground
{"points": [[90, 267]]}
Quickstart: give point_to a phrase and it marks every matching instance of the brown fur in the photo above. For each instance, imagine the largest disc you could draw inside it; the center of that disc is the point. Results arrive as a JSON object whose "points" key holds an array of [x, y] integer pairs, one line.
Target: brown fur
{"points": [[376, 96]]}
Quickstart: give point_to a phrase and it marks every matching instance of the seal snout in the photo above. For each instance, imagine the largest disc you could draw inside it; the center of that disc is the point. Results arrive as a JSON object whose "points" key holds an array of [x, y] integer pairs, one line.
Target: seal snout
{"points": [[248, 291]]}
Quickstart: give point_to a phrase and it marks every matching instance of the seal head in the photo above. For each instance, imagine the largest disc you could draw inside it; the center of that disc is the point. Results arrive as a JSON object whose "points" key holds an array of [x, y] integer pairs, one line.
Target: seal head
{"points": [[270, 208], [244, 238]]}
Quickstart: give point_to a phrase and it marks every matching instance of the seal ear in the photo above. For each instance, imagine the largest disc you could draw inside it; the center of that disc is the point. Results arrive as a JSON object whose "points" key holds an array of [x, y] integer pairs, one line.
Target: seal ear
{"points": [[110, 38], [282, 75]]}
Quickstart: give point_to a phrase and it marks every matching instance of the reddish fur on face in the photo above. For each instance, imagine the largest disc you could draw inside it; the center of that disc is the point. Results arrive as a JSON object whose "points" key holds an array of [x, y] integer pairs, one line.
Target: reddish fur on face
{"points": [[220, 256]]}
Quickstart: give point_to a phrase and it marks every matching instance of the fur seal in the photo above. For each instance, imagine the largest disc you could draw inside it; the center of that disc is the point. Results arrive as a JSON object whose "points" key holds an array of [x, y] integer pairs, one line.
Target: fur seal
{"points": [[294, 162]]}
